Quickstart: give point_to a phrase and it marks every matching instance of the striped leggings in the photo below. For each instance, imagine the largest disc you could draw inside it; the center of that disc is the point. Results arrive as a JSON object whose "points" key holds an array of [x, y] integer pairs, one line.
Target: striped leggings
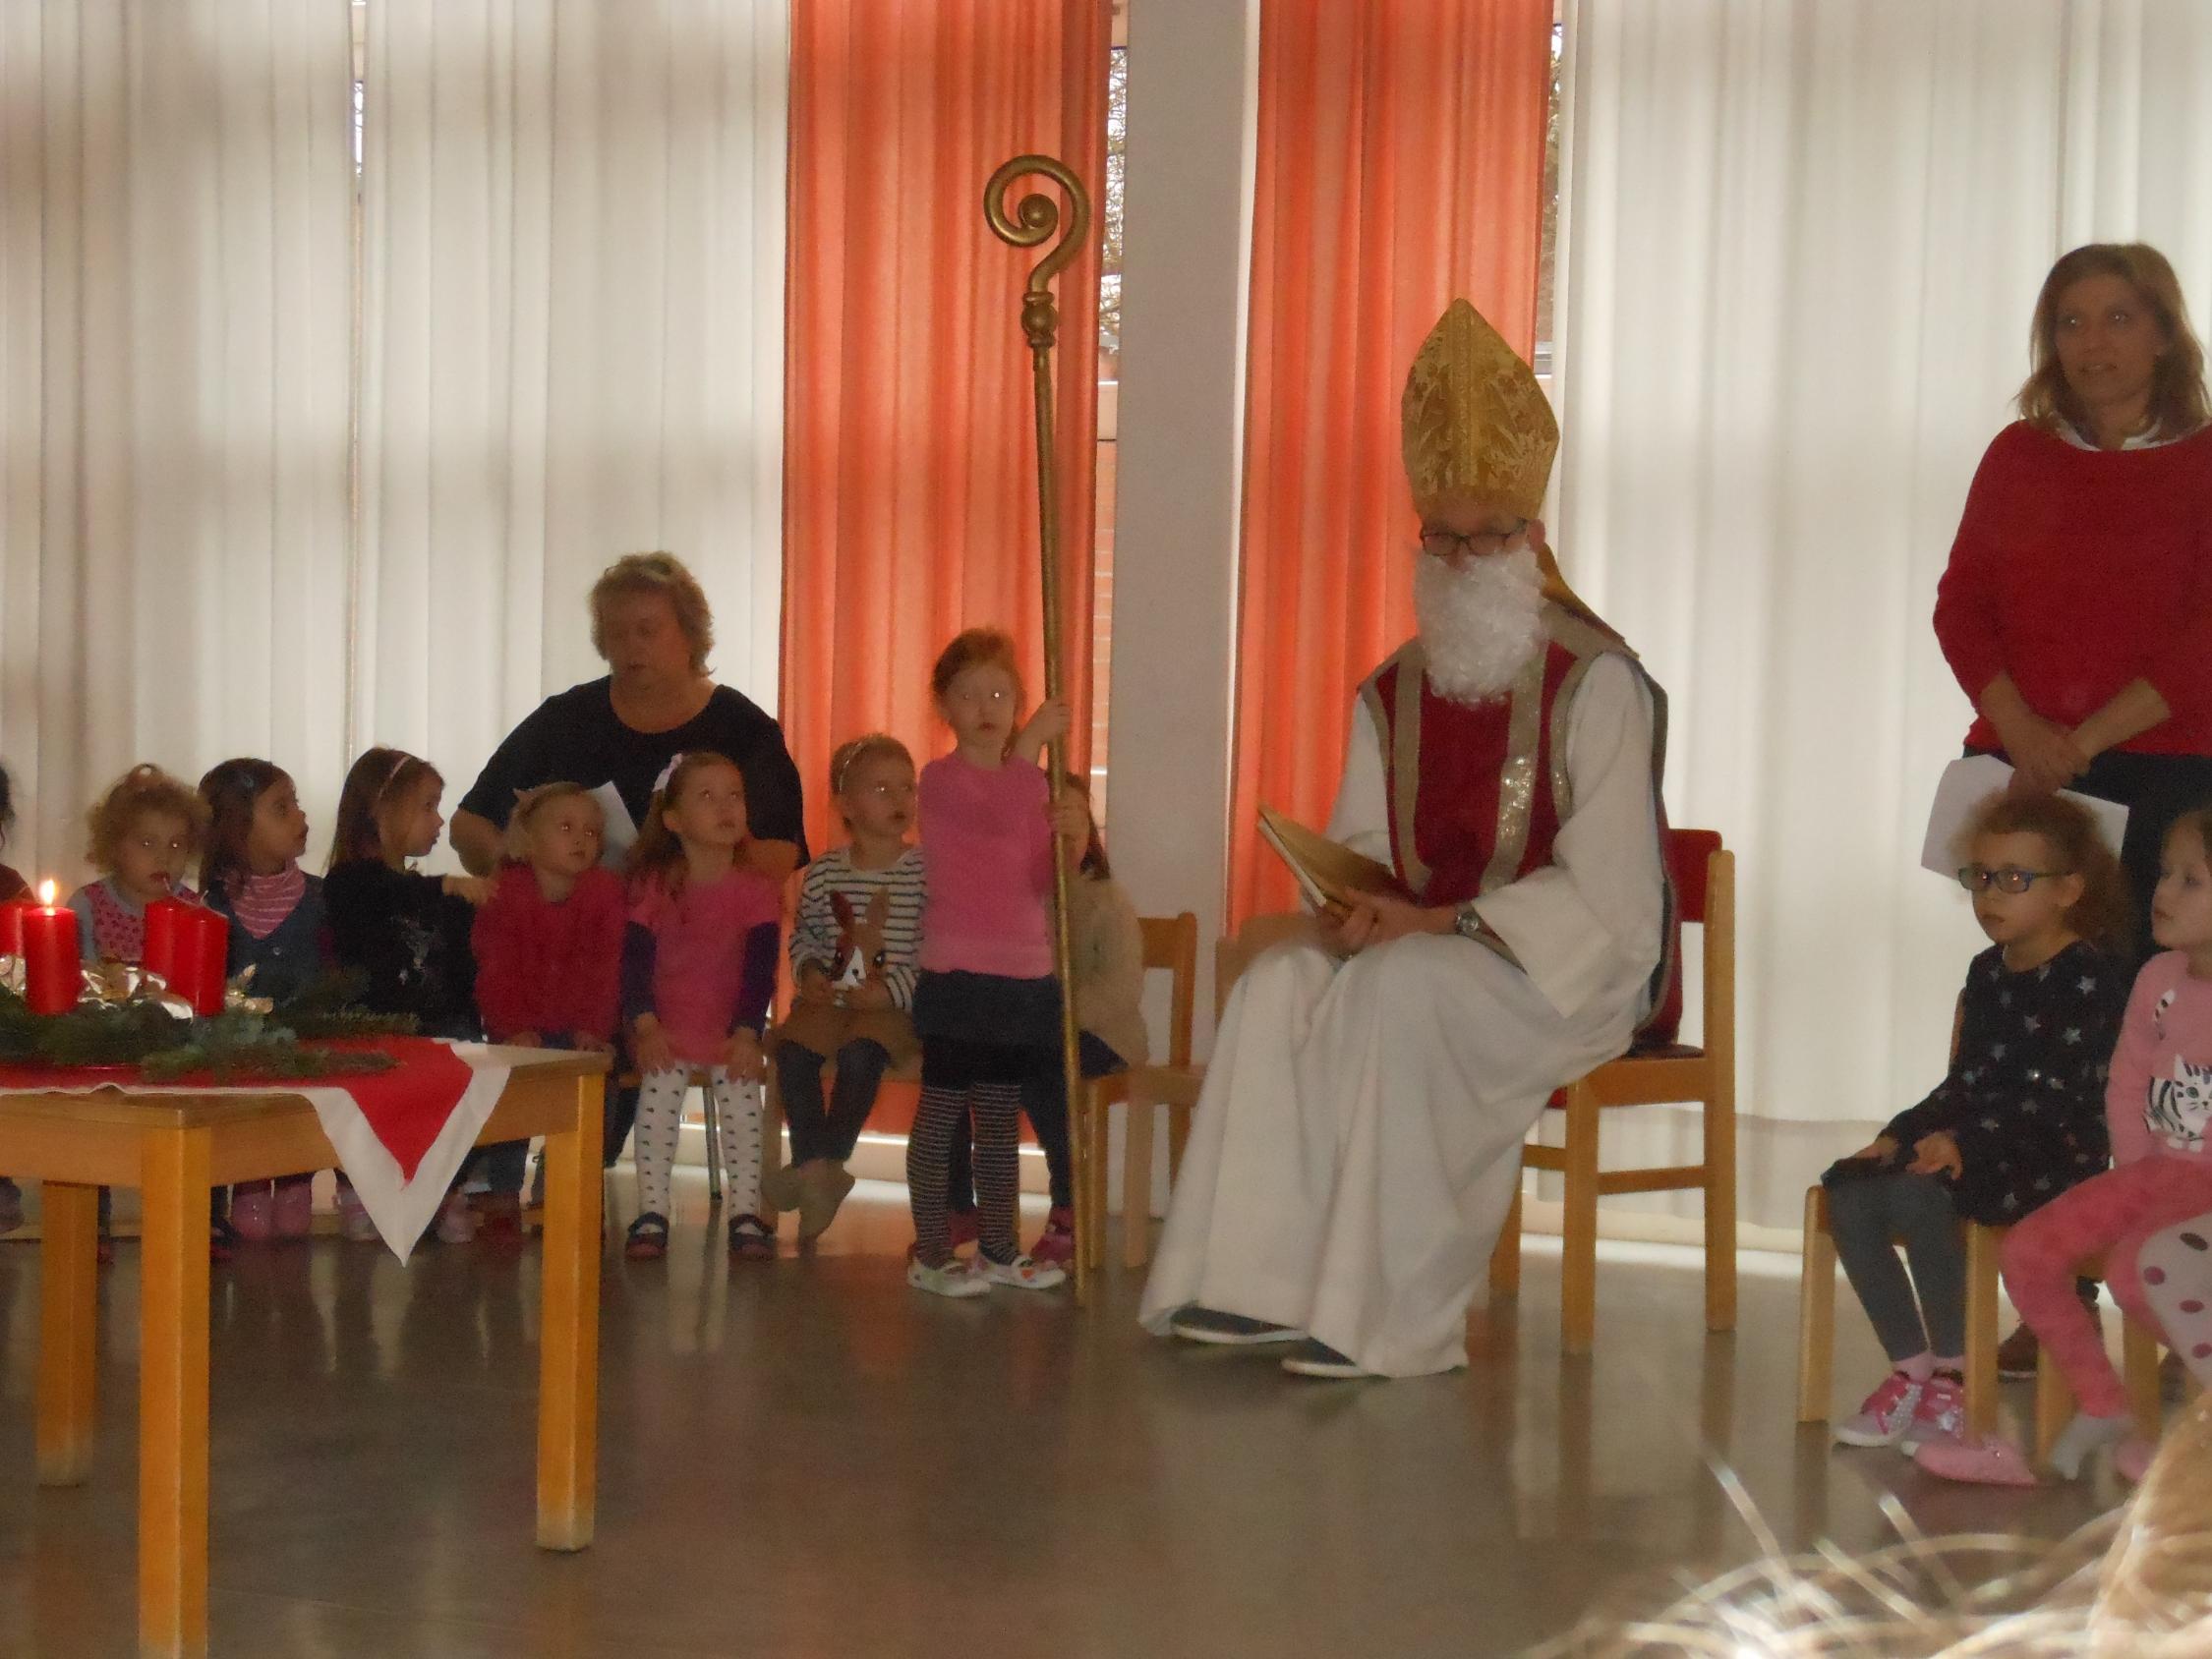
{"points": [[964, 1080]]}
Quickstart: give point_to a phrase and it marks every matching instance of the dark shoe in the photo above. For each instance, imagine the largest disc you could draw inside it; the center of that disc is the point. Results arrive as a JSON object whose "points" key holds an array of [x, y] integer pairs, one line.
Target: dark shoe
{"points": [[2016, 1354], [750, 1240], [1312, 1358], [1197, 1324], [648, 1240]]}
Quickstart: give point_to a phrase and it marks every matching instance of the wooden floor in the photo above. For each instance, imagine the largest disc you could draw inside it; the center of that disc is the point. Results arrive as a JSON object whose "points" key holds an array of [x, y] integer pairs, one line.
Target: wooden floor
{"points": [[811, 1460]]}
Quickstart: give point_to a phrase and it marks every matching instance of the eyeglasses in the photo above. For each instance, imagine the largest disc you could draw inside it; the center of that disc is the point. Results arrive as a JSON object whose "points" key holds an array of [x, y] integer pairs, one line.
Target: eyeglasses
{"points": [[1976, 877], [1446, 544]]}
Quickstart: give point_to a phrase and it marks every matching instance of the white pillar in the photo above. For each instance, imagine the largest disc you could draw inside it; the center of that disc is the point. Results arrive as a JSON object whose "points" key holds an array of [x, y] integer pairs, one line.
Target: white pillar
{"points": [[1192, 107]]}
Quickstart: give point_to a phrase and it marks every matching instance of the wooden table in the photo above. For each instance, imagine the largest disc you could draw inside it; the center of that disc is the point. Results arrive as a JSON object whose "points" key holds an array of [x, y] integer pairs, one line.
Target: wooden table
{"points": [[174, 1148]]}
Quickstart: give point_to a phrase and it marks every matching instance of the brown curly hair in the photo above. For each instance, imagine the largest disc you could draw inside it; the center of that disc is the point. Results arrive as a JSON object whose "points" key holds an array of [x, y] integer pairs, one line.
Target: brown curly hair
{"points": [[657, 573], [2178, 402], [142, 791], [2103, 914]]}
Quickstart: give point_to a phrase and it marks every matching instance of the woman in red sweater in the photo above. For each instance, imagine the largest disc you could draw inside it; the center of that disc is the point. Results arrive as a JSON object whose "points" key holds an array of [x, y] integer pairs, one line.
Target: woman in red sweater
{"points": [[548, 956], [2076, 609]]}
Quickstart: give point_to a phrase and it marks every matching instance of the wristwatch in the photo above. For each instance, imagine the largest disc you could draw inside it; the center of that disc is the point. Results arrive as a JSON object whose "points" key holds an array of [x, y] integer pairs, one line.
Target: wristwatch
{"points": [[1469, 922]]}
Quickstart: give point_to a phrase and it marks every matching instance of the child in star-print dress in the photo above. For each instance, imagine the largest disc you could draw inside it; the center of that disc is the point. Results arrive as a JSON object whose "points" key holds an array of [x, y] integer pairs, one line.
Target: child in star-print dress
{"points": [[2018, 1118], [2145, 1216]]}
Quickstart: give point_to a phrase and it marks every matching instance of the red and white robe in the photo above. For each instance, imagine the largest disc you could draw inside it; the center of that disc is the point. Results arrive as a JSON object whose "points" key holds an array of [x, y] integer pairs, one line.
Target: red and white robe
{"points": [[1357, 1140]]}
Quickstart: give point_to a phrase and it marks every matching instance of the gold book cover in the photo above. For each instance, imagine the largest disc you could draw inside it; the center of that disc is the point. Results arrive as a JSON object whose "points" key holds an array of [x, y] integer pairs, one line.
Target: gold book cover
{"points": [[1328, 872]]}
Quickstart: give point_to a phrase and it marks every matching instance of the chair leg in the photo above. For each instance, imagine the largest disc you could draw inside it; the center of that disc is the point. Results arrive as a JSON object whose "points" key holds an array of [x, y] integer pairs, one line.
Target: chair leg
{"points": [[1719, 1119], [2054, 1405], [712, 1118], [1096, 1141], [1578, 1278], [771, 1142], [1505, 1256], [1982, 1244], [1136, 1185], [2138, 1345], [1816, 1313]]}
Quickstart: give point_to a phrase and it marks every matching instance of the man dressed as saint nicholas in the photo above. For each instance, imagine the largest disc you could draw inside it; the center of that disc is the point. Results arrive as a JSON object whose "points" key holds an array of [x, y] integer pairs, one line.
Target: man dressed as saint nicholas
{"points": [[1358, 1142]]}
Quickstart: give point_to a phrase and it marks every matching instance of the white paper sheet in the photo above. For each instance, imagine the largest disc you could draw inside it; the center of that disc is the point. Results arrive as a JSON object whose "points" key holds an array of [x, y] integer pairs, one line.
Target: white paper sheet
{"points": [[621, 828], [1967, 783]]}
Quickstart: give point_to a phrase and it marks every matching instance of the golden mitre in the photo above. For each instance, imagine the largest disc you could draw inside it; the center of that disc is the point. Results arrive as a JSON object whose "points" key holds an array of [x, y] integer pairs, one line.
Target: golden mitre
{"points": [[1474, 422]]}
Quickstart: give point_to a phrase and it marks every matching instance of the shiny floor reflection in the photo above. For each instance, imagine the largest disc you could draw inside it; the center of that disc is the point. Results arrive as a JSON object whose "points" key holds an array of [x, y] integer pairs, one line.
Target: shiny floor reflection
{"points": [[811, 1460]]}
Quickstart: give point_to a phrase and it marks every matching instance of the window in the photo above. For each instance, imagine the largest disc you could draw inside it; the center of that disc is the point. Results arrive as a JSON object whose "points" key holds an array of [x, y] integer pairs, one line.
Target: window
{"points": [[1109, 374]]}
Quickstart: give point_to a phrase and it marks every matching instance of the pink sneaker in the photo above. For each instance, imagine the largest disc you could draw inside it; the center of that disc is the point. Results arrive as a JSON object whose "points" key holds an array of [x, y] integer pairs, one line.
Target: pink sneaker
{"points": [[2132, 1458], [1884, 1416], [252, 1212], [1057, 1243], [1939, 1414], [456, 1221], [292, 1211], [1991, 1461]]}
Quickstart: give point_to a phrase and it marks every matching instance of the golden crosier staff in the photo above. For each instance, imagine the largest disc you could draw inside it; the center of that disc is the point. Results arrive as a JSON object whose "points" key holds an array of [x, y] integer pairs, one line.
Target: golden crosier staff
{"points": [[1031, 225]]}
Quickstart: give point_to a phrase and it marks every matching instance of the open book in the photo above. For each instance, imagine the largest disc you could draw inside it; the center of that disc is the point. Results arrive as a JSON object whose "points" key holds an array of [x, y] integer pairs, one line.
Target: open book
{"points": [[1328, 872]]}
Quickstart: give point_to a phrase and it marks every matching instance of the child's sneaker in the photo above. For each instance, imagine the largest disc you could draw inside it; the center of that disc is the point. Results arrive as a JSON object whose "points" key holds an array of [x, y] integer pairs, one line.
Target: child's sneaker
{"points": [[352, 1219], [499, 1219], [953, 1279], [1024, 1272], [1884, 1416], [252, 1212], [1057, 1243], [750, 1239], [1939, 1415], [648, 1238], [456, 1221], [292, 1209]]}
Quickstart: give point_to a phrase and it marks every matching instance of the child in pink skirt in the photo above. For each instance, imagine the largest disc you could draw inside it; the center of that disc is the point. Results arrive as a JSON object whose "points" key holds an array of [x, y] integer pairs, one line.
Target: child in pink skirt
{"points": [[2159, 1104]]}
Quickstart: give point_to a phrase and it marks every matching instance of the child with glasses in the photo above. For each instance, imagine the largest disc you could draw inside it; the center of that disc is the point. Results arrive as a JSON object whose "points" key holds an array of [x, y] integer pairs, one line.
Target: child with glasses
{"points": [[2016, 1121], [2142, 1214]]}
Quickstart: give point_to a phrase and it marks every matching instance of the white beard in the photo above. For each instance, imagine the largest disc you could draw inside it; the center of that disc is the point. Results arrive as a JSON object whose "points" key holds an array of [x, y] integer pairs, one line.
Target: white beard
{"points": [[1480, 621]]}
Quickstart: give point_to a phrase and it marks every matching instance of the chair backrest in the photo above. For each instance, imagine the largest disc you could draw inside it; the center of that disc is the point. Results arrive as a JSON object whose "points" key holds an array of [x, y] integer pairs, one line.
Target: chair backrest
{"points": [[1232, 955], [1689, 861], [1171, 944]]}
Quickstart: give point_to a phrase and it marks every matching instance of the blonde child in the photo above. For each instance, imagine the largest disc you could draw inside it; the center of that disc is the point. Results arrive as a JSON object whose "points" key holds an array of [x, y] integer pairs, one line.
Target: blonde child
{"points": [[698, 975], [854, 957], [250, 872], [2017, 1119], [405, 932], [549, 953], [2159, 1106], [987, 1006], [145, 832], [1106, 945]]}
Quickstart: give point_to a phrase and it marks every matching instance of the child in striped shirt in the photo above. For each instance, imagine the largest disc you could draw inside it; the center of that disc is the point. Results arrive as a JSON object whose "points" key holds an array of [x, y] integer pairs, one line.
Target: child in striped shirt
{"points": [[854, 955]]}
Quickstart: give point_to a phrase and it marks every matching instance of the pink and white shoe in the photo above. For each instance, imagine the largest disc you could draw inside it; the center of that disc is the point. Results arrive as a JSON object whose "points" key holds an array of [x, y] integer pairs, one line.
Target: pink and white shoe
{"points": [[2132, 1458], [1990, 1460], [1057, 1243], [1884, 1416], [292, 1211], [1939, 1414], [252, 1212]]}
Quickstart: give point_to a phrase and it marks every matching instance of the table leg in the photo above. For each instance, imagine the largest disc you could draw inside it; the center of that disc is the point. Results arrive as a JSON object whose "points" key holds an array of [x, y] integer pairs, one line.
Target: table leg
{"points": [[68, 1322], [568, 1339], [173, 1397]]}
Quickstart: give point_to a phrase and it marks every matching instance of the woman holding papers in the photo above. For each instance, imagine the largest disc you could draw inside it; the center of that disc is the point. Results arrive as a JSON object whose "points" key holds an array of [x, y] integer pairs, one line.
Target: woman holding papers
{"points": [[2076, 609]]}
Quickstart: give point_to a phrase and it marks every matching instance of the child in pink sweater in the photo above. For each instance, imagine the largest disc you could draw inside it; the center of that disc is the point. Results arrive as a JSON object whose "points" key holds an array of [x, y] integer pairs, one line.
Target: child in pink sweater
{"points": [[987, 1006], [2159, 1105]]}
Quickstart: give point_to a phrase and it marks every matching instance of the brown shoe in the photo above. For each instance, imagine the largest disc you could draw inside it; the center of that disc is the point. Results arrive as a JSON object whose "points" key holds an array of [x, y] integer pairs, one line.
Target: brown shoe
{"points": [[2016, 1354], [823, 1186]]}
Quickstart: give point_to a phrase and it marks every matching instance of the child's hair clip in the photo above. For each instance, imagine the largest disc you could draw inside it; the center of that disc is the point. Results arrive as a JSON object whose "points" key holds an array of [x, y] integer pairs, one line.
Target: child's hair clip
{"points": [[668, 772]]}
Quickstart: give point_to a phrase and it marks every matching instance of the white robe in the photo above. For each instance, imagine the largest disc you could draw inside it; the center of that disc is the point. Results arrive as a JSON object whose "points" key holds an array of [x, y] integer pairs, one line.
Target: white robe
{"points": [[1357, 1140]]}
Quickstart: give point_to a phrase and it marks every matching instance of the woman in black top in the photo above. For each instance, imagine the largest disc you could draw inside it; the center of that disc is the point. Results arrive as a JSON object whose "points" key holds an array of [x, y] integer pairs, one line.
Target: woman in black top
{"points": [[651, 622]]}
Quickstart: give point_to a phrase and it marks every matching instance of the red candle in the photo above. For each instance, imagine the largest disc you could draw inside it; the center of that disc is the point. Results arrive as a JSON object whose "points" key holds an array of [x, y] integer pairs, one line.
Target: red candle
{"points": [[53, 971], [11, 926], [210, 945], [170, 938]]}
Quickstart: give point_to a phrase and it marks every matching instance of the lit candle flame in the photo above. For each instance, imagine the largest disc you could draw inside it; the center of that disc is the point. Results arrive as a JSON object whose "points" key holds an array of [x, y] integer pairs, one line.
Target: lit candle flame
{"points": [[47, 891]]}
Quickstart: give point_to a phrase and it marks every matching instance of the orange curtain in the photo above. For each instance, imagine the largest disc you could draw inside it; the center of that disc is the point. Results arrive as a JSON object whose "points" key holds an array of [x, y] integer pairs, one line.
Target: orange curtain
{"points": [[909, 473], [1400, 163]]}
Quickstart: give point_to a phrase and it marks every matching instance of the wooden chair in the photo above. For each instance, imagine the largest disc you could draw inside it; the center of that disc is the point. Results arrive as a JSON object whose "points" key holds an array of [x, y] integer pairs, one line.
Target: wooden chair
{"points": [[1171, 945], [1816, 1318], [2138, 1363], [1704, 873]]}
